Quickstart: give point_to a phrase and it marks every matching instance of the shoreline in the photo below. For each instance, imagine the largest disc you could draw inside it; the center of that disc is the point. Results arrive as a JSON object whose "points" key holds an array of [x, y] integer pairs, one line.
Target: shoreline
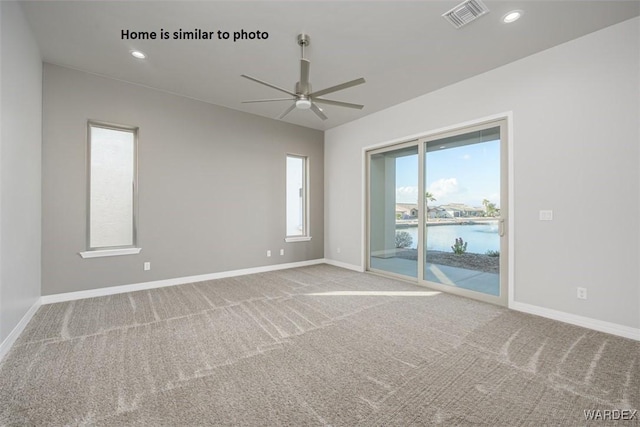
{"points": [[409, 223]]}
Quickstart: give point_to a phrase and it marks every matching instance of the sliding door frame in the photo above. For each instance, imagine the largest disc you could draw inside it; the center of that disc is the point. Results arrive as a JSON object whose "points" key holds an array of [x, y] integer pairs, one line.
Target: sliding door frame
{"points": [[507, 275]]}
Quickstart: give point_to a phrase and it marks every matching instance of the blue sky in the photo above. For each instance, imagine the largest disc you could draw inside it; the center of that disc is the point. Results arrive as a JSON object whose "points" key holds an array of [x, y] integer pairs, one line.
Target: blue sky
{"points": [[465, 174]]}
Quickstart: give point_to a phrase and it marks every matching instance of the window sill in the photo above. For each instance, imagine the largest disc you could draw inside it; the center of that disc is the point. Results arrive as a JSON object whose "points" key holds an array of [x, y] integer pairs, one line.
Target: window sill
{"points": [[110, 252], [297, 239]]}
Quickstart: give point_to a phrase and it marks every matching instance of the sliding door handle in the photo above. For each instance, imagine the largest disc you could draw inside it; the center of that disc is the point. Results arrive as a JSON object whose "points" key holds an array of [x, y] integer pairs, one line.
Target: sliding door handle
{"points": [[501, 227]]}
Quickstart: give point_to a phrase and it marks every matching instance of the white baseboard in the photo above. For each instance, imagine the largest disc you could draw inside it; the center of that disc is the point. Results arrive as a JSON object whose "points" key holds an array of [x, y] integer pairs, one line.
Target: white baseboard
{"points": [[15, 333], [586, 322], [344, 265], [112, 290], [574, 319]]}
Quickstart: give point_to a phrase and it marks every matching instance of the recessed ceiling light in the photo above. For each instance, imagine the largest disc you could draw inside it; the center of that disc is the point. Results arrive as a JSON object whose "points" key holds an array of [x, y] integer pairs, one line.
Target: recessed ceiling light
{"points": [[138, 54], [512, 16]]}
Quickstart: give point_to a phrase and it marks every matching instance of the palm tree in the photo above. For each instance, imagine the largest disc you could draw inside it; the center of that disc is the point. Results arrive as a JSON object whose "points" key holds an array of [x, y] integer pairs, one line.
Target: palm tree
{"points": [[490, 208], [428, 197]]}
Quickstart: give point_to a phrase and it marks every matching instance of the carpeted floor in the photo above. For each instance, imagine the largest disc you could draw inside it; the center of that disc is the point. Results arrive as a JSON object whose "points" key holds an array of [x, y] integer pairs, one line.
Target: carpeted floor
{"points": [[316, 345]]}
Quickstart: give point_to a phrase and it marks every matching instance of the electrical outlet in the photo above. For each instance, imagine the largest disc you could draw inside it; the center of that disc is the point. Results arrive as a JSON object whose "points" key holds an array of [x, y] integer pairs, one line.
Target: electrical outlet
{"points": [[268, 253], [582, 293], [281, 251], [147, 266]]}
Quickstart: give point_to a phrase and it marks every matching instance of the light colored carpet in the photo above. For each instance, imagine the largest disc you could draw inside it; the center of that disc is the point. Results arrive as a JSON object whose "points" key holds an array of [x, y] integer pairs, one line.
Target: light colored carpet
{"points": [[317, 345]]}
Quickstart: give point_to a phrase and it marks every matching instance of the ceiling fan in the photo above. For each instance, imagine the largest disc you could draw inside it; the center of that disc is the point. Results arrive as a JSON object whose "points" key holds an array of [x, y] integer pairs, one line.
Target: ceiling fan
{"points": [[304, 98]]}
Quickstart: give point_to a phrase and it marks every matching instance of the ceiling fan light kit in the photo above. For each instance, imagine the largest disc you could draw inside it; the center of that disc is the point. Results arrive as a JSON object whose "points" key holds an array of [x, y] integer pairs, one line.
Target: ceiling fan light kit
{"points": [[303, 104], [303, 97]]}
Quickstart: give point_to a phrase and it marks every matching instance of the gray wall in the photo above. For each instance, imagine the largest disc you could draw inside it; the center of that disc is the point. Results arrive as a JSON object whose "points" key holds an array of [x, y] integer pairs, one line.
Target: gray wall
{"points": [[211, 184], [20, 167], [576, 151]]}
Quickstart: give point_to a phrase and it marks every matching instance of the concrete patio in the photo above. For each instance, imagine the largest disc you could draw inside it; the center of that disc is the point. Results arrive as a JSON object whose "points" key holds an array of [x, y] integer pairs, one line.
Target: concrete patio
{"points": [[478, 281]]}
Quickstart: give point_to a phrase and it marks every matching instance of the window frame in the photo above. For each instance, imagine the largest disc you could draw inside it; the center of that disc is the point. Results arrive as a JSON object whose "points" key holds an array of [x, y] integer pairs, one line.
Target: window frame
{"points": [[306, 235], [100, 251]]}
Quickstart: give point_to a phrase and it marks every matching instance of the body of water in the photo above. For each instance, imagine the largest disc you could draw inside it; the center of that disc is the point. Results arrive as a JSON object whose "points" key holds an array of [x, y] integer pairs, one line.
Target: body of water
{"points": [[480, 237]]}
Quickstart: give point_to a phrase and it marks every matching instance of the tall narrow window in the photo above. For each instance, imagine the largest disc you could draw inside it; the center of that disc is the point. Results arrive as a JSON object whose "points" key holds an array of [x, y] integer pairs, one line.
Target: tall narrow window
{"points": [[297, 219], [112, 186]]}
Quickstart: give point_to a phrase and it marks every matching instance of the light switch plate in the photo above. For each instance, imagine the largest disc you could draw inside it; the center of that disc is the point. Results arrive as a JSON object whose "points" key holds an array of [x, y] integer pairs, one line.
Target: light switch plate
{"points": [[546, 215]]}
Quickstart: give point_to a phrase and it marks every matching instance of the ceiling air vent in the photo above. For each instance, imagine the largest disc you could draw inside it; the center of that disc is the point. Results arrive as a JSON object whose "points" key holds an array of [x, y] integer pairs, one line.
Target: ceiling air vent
{"points": [[466, 12]]}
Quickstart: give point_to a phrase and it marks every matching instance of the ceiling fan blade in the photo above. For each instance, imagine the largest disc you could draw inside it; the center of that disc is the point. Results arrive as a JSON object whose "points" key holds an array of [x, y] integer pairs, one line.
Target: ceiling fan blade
{"points": [[268, 100], [338, 87], [338, 103], [268, 84], [318, 111], [305, 64], [287, 111]]}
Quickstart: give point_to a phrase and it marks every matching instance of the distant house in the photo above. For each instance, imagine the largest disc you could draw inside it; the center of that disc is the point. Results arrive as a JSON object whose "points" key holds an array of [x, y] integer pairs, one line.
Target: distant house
{"points": [[437, 212], [406, 210], [460, 210], [451, 210], [477, 211]]}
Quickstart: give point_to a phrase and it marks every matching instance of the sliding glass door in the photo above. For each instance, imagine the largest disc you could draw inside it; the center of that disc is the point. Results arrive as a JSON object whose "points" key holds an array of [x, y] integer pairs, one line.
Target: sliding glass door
{"points": [[393, 212], [465, 239], [442, 200]]}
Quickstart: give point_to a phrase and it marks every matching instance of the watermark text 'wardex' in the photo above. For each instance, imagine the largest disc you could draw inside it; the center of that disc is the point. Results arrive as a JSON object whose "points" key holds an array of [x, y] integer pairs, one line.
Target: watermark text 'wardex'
{"points": [[610, 414]]}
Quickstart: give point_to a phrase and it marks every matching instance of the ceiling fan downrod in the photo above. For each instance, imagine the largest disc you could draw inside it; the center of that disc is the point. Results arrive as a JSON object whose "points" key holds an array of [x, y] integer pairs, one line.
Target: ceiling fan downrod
{"points": [[303, 41]]}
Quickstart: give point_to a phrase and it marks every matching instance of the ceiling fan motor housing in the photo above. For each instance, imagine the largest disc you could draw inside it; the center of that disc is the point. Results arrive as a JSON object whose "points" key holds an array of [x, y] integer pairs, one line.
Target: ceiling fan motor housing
{"points": [[303, 89]]}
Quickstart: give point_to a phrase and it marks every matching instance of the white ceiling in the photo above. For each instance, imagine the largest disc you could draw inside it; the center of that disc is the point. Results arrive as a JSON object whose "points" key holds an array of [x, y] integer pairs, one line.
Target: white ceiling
{"points": [[403, 49]]}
